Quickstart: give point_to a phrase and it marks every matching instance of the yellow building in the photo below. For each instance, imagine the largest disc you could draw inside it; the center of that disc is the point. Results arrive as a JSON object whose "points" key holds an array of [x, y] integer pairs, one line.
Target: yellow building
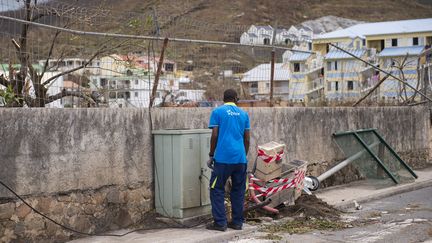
{"points": [[306, 77], [370, 39], [344, 74], [402, 62]]}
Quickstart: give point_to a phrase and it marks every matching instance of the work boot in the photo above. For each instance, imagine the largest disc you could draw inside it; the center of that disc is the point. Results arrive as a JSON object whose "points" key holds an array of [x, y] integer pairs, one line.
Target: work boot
{"points": [[214, 226], [235, 226]]}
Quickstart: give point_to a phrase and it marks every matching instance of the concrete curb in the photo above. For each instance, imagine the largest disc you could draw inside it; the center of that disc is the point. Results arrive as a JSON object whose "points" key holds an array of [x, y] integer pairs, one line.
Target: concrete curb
{"points": [[230, 234], [391, 191]]}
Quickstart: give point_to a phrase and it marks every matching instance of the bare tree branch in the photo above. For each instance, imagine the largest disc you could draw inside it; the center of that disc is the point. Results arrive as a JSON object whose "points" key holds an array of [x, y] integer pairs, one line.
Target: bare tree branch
{"points": [[50, 53], [65, 93], [73, 69], [372, 90], [25, 62], [24, 31], [96, 54]]}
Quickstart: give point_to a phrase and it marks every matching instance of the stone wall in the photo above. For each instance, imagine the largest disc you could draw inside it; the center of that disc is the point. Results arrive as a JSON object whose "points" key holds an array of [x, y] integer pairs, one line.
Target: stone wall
{"points": [[307, 132], [88, 211], [91, 169]]}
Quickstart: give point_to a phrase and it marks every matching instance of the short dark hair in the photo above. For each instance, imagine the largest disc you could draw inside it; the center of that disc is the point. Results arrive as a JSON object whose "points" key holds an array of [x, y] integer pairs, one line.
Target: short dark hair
{"points": [[230, 95]]}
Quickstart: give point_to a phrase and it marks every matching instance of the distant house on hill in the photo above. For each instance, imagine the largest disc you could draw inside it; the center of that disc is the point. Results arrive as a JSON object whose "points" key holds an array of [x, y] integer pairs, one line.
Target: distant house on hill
{"points": [[257, 81], [258, 35], [263, 35]]}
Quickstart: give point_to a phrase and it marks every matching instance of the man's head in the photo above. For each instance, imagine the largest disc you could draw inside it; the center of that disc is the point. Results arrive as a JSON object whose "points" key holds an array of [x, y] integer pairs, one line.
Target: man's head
{"points": [[230, 95]]}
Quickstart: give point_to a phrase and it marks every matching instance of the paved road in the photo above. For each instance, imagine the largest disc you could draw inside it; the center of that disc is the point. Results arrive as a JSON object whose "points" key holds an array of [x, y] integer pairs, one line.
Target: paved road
{"points": [[406, 217]]}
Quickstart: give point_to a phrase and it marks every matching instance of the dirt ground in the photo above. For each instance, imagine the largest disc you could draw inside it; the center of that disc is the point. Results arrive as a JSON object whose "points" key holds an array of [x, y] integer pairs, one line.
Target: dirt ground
{"points": [[309, 206], [309, 213], [306, 208]]}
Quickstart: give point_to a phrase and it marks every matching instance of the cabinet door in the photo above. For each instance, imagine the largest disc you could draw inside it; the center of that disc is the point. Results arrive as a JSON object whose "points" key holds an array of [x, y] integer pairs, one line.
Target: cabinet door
{"points": [[206, 172], [190, 170]]}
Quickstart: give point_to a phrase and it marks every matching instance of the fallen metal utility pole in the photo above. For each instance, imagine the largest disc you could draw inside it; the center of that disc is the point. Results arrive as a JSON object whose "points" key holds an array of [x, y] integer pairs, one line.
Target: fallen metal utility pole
{"points": [[344, 163], [381, 70]]}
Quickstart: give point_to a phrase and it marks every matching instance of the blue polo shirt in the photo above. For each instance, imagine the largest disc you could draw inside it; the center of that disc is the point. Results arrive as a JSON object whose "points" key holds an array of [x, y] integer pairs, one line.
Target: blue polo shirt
{"points": [[232, 122]]}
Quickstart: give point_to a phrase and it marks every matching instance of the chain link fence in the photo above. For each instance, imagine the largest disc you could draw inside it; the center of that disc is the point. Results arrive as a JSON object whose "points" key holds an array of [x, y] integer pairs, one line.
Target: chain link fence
{"points": [[60, 54]]}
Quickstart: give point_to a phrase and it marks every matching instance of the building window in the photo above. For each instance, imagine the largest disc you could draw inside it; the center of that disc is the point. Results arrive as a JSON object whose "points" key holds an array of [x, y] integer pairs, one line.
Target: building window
{"points": [[112, 95], [350, 85], [335, 65], [103, 82], [329, 66], [136, 82], [357, 44], [267, 85], [112, 84], [296, 67], [390, 63], [310, 46], [364, 42], [136, 94], [415, 41], [169, 67], [254, 85], [336, 85], [266, 41], [394, 42]]}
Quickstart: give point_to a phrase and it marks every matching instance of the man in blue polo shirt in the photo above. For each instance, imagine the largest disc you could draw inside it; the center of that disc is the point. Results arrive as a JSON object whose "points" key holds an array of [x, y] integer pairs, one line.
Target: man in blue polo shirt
{"points": [[229, 146]]}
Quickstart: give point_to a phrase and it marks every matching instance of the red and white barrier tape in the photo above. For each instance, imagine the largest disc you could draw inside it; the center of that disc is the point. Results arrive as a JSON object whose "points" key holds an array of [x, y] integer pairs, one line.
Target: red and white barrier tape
{"points": [[267, 158], [289, 183]]}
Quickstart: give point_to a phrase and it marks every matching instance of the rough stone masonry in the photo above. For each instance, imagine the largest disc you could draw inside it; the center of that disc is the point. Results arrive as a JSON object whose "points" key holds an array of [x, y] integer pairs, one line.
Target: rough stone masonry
{"points": [[91, 169]]}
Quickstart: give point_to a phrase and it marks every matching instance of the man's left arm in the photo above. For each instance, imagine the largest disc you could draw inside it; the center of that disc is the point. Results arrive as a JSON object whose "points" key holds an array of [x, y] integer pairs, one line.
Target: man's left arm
{"points": [[246, 140], [246, 135], [213, 140]]}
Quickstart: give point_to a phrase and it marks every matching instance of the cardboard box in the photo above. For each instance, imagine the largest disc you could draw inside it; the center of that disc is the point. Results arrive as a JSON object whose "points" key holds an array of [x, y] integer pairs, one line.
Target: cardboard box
{"points": [[287, 196], [269, 170], [268, 175], [272, 148]]}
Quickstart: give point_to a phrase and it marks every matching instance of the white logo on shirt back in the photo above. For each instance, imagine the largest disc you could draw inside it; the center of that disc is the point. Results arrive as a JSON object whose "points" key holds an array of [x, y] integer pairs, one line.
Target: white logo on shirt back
{"points": [[232, 113]]}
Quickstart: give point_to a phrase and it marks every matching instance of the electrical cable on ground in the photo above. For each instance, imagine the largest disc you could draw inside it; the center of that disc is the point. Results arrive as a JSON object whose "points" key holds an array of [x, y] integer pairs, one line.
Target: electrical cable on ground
{"points": [[84, 233]]}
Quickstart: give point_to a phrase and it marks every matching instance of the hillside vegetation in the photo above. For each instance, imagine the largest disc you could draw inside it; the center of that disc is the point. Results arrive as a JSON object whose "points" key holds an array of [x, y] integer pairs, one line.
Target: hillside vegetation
{"points": [[243, 13]]}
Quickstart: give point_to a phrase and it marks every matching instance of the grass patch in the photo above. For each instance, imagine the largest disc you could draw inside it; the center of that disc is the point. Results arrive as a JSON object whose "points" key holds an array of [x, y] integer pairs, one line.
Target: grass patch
{"points": [[270, 236], [374, 214], [301, 226]]}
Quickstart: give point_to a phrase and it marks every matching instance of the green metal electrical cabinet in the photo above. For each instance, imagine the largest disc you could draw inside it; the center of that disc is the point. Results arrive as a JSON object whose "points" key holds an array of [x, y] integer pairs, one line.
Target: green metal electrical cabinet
{"points": [[181, 172]]}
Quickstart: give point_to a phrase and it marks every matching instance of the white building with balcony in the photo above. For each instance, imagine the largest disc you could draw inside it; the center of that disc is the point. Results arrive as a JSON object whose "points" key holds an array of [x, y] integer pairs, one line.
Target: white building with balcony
{"points": [[256, 81], [263, 35]]}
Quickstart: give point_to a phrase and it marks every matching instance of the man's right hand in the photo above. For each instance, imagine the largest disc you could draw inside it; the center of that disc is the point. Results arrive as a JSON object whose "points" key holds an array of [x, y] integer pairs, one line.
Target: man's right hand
{"points": [[210, 163]]}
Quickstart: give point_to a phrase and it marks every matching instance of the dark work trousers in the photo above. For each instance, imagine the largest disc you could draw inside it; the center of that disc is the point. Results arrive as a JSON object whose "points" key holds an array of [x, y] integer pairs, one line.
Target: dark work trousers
{"points": [[219, 176]]}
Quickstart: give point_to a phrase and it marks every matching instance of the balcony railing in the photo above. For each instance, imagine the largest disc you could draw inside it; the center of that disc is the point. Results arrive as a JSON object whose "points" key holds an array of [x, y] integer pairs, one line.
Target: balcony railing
{"points": [[281, 90], [253, 90]]}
